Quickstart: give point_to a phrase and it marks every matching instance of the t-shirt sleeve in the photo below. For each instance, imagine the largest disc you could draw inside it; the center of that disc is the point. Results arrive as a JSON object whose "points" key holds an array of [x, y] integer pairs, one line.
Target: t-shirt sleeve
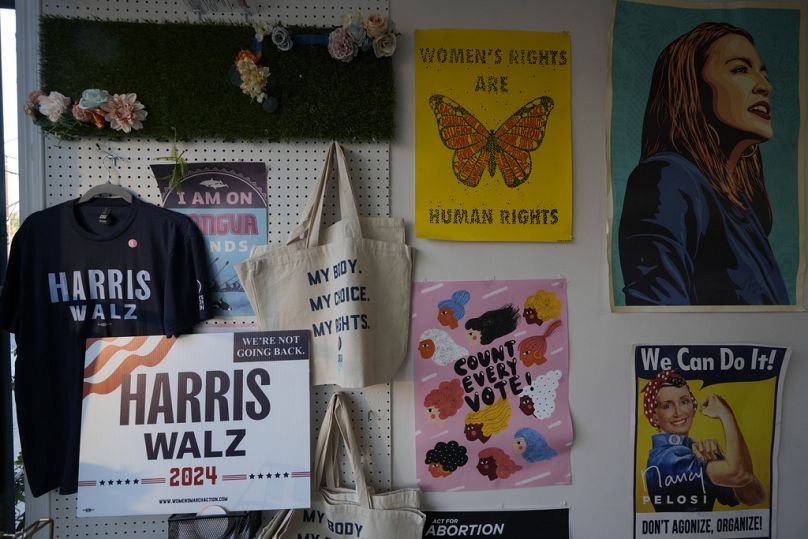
{"points": [[187, 293], [12, 286], [660, 216]]}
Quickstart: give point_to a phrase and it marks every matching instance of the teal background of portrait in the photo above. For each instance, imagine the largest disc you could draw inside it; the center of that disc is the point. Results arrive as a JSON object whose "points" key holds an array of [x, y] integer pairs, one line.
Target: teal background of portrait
{"points": [[640, 33]]}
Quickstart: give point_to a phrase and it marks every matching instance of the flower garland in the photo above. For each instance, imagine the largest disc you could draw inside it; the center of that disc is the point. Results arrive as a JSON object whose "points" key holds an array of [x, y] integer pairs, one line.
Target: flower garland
{"points": [[96, 107], [375, 32]]}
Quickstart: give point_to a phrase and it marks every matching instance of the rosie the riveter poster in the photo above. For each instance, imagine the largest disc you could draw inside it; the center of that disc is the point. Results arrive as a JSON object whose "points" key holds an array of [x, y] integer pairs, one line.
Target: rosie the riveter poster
{"points": [[490, 362], [493, 138], [706, 440]]}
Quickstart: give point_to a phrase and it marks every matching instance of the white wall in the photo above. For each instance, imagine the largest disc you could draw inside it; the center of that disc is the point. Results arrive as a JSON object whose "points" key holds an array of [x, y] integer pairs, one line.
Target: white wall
{"points": [[601, 390]]}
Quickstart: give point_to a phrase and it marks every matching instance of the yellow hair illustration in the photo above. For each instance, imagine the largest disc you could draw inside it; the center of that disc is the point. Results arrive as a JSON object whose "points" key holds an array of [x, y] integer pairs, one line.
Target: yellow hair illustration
{"points": [[541, 306], [493, 418]]}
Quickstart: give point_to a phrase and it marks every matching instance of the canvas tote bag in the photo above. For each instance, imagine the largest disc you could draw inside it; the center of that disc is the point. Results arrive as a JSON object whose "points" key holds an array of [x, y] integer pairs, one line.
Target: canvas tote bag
{"points": [[337, 511], [348, 283]]}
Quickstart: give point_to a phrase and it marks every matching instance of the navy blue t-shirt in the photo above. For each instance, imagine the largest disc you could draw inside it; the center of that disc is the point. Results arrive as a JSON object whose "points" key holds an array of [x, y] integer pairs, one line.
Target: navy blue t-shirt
{"points": [[71, 277]]}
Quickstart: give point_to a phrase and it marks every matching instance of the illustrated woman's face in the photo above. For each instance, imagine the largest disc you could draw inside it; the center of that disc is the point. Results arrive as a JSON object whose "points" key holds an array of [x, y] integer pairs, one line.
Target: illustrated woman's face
{"points": [[446, 317], [519, 444], [526, 405], [530, 316], [432, 414], [675, 411], [473, 335], [474, 431], [488, 467], [426, 348], [436, 469], [740, 86]]}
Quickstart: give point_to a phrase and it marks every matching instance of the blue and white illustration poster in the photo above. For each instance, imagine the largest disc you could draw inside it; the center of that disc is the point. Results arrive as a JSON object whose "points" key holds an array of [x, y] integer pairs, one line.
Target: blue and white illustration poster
{"points": [[706, 156], [228, 202]]}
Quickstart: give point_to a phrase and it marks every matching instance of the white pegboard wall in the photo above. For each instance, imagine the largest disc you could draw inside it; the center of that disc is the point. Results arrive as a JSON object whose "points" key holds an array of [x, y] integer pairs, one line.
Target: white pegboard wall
{"points": [[289, 12], [292, 169], [370, 415], [72, 167]]}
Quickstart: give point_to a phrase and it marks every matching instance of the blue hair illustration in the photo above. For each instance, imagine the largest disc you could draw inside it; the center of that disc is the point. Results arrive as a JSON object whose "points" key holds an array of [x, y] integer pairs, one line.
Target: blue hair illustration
{"points": [[536, 447], [456, 303]]}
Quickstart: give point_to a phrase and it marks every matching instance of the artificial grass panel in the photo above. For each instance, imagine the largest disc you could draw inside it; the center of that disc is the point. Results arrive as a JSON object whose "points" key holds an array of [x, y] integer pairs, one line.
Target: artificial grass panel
{"points": [[180, 73]]}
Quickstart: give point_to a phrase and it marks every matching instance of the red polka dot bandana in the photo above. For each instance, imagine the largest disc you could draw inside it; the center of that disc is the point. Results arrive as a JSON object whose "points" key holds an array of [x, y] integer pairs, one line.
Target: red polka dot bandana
{"points": [[650, 391]]}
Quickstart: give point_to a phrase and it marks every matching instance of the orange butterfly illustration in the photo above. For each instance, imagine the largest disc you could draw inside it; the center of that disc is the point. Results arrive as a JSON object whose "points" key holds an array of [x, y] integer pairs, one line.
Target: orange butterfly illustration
{"points": [[477, 148]]}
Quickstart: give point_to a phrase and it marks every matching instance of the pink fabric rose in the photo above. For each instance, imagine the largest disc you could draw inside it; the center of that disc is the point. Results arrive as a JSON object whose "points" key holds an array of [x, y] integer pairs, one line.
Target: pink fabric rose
{"points": [[341, 46], [124, 112]]}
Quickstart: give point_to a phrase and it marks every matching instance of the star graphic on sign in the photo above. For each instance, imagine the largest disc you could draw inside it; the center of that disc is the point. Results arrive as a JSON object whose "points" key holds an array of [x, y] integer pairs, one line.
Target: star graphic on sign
{"points": [[136, 481], [277, 475], [286, 474], [119, 481], [127, 481], [252, 476], [102, 483], [110, 482], [260, 476]]}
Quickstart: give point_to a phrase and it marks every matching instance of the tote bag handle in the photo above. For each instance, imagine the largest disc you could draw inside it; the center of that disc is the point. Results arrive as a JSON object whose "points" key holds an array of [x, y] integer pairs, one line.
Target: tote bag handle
{"points": [[309, 228], [337, 423]]}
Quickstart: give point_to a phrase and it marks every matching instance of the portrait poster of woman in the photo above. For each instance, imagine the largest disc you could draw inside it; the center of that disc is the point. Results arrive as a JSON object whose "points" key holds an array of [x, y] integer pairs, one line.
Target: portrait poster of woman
{"points": [[706, 439], [705, 157]]}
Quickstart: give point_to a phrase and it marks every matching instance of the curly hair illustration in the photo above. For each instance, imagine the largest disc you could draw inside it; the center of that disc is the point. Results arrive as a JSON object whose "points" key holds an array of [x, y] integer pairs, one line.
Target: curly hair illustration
{"points": [[445, 458], [453, 309], [532, 349], [488, 421], [492, 325], [540, 307], [538, 399], [496, 464], [443, 402], [437, 345]]}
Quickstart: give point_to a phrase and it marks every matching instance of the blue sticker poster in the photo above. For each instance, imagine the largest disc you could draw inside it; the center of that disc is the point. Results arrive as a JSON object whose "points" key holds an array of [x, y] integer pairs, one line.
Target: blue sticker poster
{"points": [[706, 438], [706, 159], [228, 202]]}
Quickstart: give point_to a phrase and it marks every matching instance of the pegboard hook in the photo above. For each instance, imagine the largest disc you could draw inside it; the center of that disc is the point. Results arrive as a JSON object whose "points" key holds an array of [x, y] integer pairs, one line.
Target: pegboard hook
{"points": [[110, 161]]}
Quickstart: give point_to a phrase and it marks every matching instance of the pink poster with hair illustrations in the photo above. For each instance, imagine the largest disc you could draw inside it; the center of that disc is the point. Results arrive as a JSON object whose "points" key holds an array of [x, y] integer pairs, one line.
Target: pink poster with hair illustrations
{"points": [[490, 370]]}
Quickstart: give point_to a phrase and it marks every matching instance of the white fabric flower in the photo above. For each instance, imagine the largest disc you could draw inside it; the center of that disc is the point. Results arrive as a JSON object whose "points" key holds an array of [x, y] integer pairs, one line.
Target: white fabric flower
{"points": [[53, 105], [384, 45], [261, 29], [253, 78]]}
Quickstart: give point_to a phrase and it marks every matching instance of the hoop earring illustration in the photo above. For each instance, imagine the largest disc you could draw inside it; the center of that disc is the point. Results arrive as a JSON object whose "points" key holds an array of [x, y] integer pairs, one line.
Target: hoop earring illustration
{"points": [[750, 151]]}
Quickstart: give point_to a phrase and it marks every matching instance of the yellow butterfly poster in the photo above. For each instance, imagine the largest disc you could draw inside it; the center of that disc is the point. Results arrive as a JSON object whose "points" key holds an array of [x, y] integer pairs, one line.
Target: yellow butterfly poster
{"points": [[493, 137]]}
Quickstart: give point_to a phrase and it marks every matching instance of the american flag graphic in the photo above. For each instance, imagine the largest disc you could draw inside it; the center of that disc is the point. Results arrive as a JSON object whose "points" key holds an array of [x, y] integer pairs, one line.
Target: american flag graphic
{"points": [[107, 360], [234, 477], [152, 480]]}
